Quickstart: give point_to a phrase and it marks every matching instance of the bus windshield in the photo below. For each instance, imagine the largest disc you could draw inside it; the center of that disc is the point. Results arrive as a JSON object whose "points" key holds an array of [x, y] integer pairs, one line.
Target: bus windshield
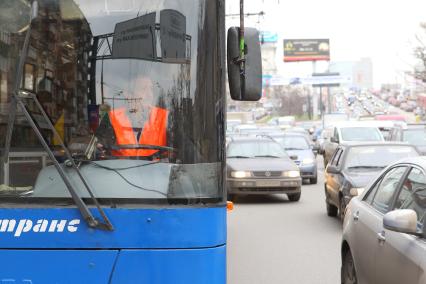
{"points": [[125, 86]]}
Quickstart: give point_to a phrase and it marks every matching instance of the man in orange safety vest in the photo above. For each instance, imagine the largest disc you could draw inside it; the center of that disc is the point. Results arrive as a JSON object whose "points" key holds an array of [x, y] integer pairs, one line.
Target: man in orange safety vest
{"points": [[139, 123]]}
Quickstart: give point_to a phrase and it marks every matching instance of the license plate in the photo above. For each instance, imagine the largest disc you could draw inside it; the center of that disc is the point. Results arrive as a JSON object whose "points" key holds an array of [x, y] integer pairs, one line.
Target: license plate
{"points": [[268, 183]]}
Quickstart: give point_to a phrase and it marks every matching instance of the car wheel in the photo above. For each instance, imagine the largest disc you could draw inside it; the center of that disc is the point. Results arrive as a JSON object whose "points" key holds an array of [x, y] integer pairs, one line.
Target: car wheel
{"points": [[331, 209], [342, 208], [313, 180], [294, 197], [348, 275]]}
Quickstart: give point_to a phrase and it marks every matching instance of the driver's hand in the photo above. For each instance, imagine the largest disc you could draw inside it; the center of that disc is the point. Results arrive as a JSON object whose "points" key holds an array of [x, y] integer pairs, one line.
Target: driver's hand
{"points": [[100, 150]]}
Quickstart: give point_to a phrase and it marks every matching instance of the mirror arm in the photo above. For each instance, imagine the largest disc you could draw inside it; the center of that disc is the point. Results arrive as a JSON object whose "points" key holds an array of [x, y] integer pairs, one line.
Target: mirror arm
{"points": [[241, 60]]}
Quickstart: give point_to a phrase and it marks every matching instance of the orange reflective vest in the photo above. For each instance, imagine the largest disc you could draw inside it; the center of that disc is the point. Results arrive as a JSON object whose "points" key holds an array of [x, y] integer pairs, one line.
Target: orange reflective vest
{"points": [[153, 132]]}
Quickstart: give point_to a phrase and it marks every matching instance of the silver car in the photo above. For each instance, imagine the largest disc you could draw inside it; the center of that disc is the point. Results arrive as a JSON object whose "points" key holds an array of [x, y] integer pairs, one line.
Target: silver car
{"points": [[384, 228], [261, 166]]}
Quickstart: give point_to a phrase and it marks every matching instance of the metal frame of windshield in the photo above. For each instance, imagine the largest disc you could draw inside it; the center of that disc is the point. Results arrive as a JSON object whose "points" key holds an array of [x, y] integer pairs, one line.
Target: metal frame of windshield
{"points": [[82, 203]]}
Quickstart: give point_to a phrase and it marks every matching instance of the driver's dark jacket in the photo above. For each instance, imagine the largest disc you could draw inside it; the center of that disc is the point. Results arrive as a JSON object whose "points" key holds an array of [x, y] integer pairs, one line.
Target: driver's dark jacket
{"points": [[116, 129]]}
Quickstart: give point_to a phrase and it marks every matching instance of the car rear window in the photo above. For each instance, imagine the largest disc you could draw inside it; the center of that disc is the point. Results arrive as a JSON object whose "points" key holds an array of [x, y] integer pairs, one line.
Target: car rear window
{"points": [[377, 156], [361, 134]]}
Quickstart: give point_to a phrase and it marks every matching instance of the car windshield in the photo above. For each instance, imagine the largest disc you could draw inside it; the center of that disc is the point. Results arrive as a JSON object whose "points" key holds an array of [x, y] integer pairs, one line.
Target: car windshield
{"points": [[377, 156], [293, 142], [361, 134], [416, 137], [251, 149], [126, 87]]}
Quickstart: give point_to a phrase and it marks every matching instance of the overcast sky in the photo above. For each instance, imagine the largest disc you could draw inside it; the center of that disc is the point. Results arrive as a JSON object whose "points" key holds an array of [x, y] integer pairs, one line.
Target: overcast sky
{"points": [[381, 30]]}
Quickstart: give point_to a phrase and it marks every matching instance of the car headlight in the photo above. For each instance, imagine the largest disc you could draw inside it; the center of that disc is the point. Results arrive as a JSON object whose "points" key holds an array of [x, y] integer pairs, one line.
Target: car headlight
{"points": [[307, 161], [291, 174], [355, 191], [240, 174]]}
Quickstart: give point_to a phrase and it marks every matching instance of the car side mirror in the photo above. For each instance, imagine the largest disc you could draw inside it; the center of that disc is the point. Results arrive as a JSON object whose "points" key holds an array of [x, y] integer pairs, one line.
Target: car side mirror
{"points": [[293, 157], [356, 191], [332, 169], [244, 75], [402, 221], [334, 140]]}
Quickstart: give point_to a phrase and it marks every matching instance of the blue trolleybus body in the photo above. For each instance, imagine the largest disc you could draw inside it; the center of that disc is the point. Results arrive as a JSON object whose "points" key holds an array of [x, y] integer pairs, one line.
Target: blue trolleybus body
{"points": [[157, 218], [112, 140]]}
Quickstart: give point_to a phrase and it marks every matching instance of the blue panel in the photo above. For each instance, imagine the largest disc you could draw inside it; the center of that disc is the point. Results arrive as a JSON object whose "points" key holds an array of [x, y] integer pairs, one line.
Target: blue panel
{"points": [[200, 266], [56, 266], [134, 228]]}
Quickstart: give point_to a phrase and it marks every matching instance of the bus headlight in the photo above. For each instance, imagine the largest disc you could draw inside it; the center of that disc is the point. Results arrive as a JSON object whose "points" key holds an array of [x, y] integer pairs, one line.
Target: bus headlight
{"points": [[307, 161], [291, 174], [240, 174]]}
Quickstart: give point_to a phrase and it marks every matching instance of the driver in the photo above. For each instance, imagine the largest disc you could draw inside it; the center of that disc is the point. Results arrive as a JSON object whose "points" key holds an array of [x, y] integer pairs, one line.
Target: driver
{"points": [[139, 123]]}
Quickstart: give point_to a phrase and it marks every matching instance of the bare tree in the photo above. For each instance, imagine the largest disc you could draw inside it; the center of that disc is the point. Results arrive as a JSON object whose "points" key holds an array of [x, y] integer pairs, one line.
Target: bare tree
{"points": [[420, 54]]}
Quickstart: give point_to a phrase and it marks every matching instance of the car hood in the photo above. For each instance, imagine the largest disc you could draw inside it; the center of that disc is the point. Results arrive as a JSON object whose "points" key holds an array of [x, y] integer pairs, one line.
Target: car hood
{"points": [[301, 154], [261, 164], [361, 177]]}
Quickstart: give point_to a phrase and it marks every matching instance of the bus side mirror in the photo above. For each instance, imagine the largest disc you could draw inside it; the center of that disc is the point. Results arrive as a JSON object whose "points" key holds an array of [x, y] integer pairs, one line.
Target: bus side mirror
{"points": [[244, 85]]}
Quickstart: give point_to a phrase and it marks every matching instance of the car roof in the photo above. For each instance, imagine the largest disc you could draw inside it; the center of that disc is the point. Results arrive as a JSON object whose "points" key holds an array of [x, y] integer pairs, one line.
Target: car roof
{"points": [[343, 124], [287, 134], [375, 143], [420, 161], [251, 139], [410, 126]]}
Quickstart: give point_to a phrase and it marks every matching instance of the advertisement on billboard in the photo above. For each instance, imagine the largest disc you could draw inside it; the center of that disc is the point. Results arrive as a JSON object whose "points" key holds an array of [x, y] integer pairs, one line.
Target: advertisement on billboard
{"points": [[306, 50]]}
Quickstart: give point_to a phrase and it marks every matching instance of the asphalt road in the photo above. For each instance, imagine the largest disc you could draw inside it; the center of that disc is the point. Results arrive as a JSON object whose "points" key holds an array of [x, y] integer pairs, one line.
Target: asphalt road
{"points": [[272, 240]]}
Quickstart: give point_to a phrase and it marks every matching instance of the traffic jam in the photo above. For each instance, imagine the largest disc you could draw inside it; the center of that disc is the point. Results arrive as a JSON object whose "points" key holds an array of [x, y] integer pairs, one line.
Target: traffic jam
{"points": [[373, 171]]}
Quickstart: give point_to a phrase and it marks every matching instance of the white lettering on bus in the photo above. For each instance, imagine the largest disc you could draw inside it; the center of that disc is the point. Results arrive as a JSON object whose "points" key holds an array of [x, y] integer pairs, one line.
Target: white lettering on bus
{"points": [[19, 227]]}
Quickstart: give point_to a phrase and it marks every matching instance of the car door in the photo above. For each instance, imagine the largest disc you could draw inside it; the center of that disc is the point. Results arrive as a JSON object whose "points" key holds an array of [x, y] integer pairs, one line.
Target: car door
{"points": [[334, 179], [400, 256], [367, 220], [330, 146]]}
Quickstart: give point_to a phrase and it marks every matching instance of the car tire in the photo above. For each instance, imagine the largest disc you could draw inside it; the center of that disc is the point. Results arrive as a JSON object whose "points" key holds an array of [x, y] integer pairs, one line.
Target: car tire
{"points": [[348, 272], [331, 209], [313, 180], [294, 197]]}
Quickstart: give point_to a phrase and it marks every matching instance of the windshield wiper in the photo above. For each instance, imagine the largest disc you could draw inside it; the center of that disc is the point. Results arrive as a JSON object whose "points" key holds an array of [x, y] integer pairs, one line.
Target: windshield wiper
{"points": [[18, 100], [267, 156], [366, 167], [238, 157]]}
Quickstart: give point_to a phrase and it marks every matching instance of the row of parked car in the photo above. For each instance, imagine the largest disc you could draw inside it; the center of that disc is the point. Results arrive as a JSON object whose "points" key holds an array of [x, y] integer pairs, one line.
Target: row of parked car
{"points": [[378, 189]]}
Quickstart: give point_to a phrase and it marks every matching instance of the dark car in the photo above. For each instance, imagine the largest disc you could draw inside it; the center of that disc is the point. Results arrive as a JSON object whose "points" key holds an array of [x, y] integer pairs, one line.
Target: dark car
{"points": [[354, 166], [297, 146], [414, 134], [261, 166]]}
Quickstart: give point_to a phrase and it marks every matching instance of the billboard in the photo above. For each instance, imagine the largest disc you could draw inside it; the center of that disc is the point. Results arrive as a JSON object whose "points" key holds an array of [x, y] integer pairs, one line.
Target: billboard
{"points": [[306, 50], [267, 36]]}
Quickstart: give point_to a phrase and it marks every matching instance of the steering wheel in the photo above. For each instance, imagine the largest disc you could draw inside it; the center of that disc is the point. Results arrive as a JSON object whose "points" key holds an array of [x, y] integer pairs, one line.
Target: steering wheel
{"points": [[160, 149]]}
